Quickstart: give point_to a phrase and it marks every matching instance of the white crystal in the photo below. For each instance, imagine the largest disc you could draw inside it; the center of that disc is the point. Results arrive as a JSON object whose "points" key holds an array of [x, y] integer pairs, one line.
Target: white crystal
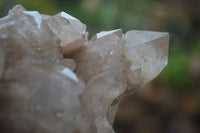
{"points": [[67, 16], [37, 17], [105, 33], [67, 72]]}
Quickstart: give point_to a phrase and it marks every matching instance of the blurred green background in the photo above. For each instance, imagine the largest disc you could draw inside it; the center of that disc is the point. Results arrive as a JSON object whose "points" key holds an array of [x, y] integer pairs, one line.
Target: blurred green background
{"points": [[169, 104]]}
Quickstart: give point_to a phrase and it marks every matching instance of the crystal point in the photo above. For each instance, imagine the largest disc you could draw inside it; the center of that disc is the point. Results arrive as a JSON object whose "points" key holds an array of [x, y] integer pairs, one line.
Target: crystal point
{"points": [[70, 32], [148, 50], [16, 8], [107, 33]]}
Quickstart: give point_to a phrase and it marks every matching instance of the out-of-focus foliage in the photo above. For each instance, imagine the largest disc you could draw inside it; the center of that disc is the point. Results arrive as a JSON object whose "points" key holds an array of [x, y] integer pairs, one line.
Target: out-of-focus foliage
{"points": [[178, 86], [43, 6]]}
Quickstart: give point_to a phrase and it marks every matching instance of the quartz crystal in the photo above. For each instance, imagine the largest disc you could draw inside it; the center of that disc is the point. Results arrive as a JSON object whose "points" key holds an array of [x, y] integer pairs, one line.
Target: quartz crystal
{"points": [[104, 82], [70, 32], [52, 79], [147, 53]]}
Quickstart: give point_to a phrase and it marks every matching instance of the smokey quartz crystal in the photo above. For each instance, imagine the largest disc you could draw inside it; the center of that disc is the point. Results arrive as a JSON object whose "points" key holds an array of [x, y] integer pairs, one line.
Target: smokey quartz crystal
{"points": [[52, 79]]}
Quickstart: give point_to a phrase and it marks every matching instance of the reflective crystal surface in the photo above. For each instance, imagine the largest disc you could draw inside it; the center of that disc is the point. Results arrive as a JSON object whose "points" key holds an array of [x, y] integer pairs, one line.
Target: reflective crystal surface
{"points": [[53, 80], [147, 53]]}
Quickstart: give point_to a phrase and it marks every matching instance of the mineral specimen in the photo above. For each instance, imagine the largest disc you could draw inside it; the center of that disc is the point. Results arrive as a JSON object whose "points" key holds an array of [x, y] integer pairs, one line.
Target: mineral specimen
{"points": [[52, 79]]}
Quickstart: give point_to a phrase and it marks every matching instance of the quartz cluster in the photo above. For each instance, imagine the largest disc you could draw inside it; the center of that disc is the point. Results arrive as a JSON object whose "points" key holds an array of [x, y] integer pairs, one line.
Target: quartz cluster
{"points": [[53, 80]]}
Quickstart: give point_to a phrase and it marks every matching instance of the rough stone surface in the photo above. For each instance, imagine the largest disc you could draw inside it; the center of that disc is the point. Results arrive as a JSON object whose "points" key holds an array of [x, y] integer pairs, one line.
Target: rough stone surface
{"points": [[52, 79]]}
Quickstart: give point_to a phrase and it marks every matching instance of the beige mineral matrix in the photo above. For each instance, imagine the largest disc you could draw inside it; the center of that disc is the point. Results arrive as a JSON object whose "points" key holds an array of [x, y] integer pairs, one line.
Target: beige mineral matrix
{"points": [[53, 80]]}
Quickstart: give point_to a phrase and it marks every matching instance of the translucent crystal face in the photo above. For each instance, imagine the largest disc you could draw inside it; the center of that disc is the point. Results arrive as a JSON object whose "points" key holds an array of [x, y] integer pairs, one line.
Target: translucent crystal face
{"points": [[147, 52], [70, 32], [100, 55], [52, 79]]}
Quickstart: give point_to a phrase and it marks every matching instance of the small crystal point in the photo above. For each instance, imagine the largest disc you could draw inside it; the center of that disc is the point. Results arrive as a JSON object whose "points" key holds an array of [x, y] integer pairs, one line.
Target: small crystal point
{"points": [[106, 33], [68, 73], [16, 8], [67, 16], [70, 32]]}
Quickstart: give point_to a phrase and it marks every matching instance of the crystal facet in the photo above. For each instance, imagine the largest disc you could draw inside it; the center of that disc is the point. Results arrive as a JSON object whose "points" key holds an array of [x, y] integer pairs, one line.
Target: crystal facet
{"points": [[147, 51], [70, 32]]}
